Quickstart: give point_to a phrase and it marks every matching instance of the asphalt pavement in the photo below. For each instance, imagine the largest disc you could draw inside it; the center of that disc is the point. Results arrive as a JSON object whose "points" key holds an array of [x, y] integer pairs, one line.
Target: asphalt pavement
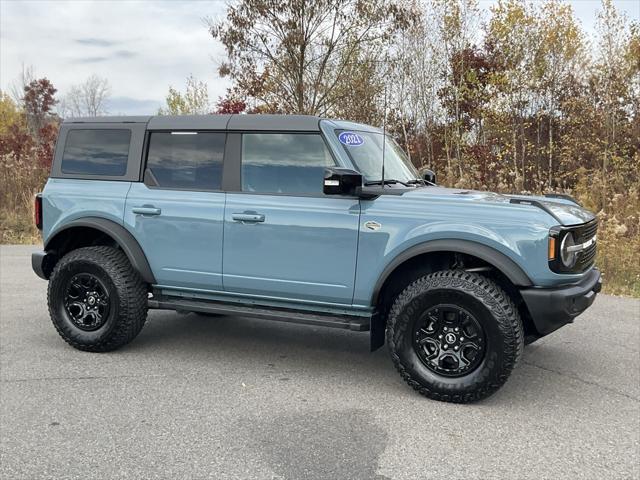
{"points": [[229, 397]]}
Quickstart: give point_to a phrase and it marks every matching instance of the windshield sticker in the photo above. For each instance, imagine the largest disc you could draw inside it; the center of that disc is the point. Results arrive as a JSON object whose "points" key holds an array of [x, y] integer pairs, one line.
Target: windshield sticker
{"points": [[350, 139]]}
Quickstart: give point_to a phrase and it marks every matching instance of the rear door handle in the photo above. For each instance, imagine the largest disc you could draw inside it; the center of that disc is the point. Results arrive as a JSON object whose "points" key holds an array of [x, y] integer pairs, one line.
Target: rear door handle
{"points": [[248, 217], [146, 210]]}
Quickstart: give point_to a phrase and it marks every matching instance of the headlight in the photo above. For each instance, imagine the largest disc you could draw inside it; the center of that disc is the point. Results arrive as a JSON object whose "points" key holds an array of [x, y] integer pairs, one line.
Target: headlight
{"points": [[568, 258]]}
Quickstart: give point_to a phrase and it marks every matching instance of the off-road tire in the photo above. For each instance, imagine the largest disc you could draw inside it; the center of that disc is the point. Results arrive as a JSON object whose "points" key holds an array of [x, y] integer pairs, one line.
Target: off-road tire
{"points": [[127, 298], [497, 315]]}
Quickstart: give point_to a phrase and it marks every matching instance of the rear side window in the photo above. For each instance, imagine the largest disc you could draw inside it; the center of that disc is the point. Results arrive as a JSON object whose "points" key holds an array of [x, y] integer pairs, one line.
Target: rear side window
{"points": [[186, 160], [96, 152], [290, 163]]}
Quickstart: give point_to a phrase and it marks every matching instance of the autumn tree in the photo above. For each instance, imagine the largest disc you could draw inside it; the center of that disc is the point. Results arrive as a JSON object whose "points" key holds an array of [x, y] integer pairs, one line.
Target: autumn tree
{"points": [[194, 101], [558, 63], [457, 27], [14, 136], [302, 56], [612, 84], [87, 99], [39, 101], [230, 104], [9, 113], [16, 89], [415, 76], [511, 43]]}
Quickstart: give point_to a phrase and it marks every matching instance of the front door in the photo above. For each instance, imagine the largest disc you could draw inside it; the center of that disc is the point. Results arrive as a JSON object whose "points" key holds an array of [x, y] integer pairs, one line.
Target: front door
{"points": [[283, 238], [177, 213]]}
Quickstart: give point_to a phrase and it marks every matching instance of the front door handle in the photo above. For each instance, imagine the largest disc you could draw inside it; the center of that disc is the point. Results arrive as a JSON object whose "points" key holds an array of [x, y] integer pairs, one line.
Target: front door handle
{"points": [[146, 210], [247, 217]]}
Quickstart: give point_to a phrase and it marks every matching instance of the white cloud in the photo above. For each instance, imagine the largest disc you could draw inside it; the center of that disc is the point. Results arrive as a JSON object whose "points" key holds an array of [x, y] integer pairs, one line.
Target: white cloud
{"points": [[140, 47]]}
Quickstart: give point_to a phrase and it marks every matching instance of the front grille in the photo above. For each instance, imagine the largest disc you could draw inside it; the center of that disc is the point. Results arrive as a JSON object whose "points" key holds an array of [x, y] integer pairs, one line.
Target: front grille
{"points": [[586, 258], [581, 234], [584, 233]]}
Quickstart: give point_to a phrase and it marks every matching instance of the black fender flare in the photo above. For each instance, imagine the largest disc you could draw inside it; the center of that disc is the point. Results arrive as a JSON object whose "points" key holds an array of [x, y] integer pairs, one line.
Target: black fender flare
{"points": [[499, 260], [120, 235]]}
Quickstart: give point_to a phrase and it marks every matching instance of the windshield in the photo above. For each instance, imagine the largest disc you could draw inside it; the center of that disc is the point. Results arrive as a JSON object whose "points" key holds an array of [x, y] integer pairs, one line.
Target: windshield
{"points": [[365, 151]]}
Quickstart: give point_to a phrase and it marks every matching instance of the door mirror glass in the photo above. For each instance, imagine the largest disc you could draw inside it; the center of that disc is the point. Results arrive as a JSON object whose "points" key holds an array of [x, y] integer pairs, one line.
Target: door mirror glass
{"points": [[341, 181], [429, 176]]}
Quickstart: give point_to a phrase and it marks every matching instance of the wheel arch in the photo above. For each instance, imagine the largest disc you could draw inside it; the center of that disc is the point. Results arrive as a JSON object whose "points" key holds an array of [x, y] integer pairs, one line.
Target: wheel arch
{"points": [[96, 231], [490, 255], [433, 256]]}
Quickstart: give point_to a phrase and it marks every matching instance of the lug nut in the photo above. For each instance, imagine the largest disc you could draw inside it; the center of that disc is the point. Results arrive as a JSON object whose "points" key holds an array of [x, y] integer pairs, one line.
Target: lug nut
{"points": [[461, 339], [445, 346], [456, 329], [439, 336], [456, 347]]}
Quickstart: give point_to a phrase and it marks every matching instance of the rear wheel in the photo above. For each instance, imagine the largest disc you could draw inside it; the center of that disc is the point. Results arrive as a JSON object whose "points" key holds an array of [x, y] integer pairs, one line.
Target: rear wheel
{"points": [[97, 301], [454, 336]]}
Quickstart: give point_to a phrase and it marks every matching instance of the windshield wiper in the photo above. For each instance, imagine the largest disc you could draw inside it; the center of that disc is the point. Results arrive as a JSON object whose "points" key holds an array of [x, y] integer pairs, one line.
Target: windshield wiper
{"points": [[417, 182], [390, 181]]}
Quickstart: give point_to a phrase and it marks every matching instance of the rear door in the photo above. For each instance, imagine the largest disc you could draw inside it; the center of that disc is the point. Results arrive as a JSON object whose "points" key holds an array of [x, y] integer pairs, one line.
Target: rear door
{"points": [[283, 237], [177, 213]]}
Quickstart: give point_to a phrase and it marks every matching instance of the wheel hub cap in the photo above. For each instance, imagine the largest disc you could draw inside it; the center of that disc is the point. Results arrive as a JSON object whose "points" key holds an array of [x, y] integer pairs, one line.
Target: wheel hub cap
{"points": [[449, 340], [86, 302]]}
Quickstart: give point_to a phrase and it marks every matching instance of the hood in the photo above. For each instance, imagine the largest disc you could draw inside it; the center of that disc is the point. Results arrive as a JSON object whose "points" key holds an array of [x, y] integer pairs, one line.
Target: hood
{"points": [[564, 211]]}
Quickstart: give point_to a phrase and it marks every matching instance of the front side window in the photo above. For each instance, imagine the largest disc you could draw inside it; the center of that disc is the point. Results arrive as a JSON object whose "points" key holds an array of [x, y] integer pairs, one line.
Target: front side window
{"points": [[289, 163], [365, 150], [96, 152], [186, 160]]}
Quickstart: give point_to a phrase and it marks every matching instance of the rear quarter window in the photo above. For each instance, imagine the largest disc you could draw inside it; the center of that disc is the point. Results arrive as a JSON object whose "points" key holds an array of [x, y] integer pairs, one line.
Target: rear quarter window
{"points": [[96, 152]]}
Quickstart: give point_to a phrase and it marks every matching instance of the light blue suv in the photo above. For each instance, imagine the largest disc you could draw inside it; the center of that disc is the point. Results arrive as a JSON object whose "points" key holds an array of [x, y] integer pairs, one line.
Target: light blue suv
{"points": [[307, 220]]}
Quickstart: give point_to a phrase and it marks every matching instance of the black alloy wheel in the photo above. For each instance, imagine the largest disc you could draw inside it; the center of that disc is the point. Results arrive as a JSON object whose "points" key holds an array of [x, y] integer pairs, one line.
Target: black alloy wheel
{"points": [[86, 301], [97, 300], [454, 336], [449, 340]]}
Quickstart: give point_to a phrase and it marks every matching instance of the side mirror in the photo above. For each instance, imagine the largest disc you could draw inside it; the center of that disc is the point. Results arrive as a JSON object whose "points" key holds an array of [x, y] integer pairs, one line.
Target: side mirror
{"points": [[429, 176], [341, 181]]}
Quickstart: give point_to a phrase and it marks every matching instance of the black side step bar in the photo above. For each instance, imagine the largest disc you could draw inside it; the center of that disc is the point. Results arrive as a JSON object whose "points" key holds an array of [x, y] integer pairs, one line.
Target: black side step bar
{"points": [[356, 323]]}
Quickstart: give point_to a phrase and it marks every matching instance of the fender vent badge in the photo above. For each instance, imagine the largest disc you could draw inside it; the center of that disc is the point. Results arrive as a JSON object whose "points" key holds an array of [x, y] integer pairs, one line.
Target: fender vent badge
{"points": [[371, 225]]}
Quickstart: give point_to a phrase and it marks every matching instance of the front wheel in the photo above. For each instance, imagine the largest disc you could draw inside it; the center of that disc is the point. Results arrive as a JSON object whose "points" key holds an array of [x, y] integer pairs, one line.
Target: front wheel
{"points": [[454, 336]]}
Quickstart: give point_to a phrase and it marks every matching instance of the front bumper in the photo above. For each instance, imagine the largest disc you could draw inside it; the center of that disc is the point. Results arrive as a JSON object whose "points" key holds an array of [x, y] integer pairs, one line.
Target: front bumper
{"points": [[43, 263], [551, 308]]}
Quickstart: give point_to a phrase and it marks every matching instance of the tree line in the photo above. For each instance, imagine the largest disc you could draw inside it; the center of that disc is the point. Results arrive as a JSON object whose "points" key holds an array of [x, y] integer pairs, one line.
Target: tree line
{"points": [[517, 97], [514, 98]]}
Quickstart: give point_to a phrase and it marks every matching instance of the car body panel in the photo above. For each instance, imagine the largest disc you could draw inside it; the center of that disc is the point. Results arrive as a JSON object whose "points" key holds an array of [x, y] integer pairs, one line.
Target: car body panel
{"points": [[520, 232], [304, 249], [65, 200], [183, 244], [323, 251]]}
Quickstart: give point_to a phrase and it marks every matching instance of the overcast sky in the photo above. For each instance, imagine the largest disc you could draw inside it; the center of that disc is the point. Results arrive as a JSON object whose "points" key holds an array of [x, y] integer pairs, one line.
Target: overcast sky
{"points": [[142, 47]]}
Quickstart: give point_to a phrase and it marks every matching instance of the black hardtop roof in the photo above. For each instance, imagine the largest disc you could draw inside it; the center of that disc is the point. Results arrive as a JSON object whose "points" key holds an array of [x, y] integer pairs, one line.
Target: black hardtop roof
{"points": [[213, 122]]}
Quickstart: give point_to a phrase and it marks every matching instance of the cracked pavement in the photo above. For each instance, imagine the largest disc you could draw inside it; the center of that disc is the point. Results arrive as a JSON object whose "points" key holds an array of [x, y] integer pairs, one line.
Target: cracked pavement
{"points": [[229, 397]]}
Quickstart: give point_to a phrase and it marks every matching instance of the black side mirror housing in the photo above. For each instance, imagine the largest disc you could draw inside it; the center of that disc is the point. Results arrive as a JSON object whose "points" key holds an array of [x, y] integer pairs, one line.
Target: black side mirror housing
{"points": [[341, 181], [429, 176]]}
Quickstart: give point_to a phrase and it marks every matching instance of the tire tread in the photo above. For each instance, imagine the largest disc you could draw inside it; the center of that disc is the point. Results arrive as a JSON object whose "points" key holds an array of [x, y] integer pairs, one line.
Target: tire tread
{"points": [[497, 301], [133, 303]]}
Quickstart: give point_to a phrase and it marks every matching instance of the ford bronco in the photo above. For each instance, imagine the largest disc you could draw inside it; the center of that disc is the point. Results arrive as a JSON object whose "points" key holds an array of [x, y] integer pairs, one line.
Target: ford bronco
{"points": [[308, 220]]}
